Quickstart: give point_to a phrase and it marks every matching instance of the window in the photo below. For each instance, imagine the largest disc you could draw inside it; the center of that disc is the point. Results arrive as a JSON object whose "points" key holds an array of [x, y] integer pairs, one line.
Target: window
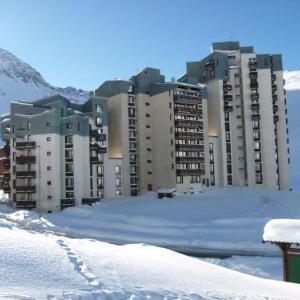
{"points": [[149, 161], [98, 108], [48, 168], [68, 139], [147, 103], [133, 169], [133, 180], [29, 125], [78, 126], [118, 193], [118, 181], [48, 182], [258, 167], [131, 112], [148, 126], [170, 105], [48, 139], [256, 135], [257, 156], [48, 124], [69, 168], [131, 134], [179, 179], [257, 146], [49, 198], [118, 170], [98, 121], [211, 147], [69, 182], [100, 170], [131, 99], [147, 115], [69, 153], [69, 125], [48, 153], [70, 195]]}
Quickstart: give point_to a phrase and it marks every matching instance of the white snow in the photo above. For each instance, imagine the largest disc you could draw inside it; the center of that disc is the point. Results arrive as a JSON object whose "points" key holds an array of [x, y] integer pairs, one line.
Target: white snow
{"points": [[215, 221], [46, 266], [282, 230]]}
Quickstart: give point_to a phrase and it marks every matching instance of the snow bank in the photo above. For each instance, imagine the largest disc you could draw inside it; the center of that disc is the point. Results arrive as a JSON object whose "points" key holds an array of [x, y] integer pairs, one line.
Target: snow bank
{"points": [[43, 266], [282, 230], [219, 220]]}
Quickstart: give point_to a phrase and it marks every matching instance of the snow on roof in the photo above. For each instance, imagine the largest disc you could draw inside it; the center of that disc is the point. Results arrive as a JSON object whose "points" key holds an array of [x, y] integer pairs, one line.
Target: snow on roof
{"points": [[282, 230]]}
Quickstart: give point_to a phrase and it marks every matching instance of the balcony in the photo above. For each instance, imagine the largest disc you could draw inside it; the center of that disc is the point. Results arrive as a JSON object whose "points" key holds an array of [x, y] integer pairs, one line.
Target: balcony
{"points": [[189, 135], [6, 163], [67, 202], [255, 116], [253, 75], [274, 87], [189, 159], [26, 204], [227, 87], [187, 172], [189, 147], [22, 160], [69, 146], [275, 109], [99, 136], [188, 111], [228, 97], [254, 96], [95, 160], [252, 64], [25, 174], [187, 99], [90, 200], [6, 189], [6, 176], [228, 107], [273, 77], [210, 65], [274, 97], [276, 118], [253, 85], [189, 123], [26, 189], [25, 145], [255, 105]]}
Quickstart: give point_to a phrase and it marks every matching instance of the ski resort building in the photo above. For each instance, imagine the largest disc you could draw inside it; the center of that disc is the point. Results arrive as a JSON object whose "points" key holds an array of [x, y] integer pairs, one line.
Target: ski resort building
{"points": [[57, 153], [223, 123], [158, 129], [247, 116]]}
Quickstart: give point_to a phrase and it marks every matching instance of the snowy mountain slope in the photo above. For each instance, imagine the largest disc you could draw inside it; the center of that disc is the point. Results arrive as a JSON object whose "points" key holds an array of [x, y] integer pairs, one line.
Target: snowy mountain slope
{"points": [[19, 81], [43, 266], [293, 106]]}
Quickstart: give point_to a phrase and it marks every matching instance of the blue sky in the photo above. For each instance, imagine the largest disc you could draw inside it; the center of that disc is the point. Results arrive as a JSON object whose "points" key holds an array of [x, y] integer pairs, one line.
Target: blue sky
{"points": [[84, 42]]}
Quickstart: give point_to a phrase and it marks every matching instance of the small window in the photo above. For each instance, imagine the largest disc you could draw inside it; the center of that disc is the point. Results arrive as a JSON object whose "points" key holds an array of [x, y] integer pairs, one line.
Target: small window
{"points": [[49, 198], [48, 168], [147, 115], [69, 125], [48, 153], [48, 182], [118, 170], [147, 103], [98, 108], [48, 139], [48, 124]]}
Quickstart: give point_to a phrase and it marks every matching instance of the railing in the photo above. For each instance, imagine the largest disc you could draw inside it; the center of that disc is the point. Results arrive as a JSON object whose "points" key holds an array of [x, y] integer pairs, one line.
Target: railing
{"points": [[25, 174], [90, 201], [21, 160], [189, 159], [26, 189], [25, 145], [67, 202], [26, 204], [190, 172]]}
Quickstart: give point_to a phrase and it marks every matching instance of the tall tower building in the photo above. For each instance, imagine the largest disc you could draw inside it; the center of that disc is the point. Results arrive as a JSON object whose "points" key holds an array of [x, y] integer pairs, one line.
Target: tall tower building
{"points": [[247, 121]]}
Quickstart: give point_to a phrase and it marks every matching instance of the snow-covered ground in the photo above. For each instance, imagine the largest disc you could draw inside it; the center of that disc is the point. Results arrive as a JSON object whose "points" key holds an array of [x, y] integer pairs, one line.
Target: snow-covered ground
{"points": [[222, 221], [46, 266], [38, 260]]}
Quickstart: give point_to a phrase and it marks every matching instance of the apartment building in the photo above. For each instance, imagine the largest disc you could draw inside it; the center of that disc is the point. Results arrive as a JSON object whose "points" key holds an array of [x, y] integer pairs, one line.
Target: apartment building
{"points": [[56, 152], [158, 129], [247, 116]]}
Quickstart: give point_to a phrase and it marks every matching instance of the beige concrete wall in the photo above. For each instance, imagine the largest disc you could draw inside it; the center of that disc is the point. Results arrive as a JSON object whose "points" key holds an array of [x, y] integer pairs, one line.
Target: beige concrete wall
{"points": [[162, 121]]}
